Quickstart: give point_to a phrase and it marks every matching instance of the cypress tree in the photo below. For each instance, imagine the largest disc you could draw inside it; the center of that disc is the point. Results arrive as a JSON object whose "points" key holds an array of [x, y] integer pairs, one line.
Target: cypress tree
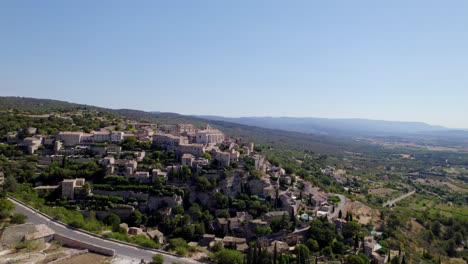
{"points": [[356, 242], [254, 257], [275, 254]]}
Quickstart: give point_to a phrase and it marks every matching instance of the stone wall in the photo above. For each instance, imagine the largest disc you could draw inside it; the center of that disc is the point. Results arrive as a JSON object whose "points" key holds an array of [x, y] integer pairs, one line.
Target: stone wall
{"points": [[123, 213], [82, 245], [123, 194], [155, 202]]}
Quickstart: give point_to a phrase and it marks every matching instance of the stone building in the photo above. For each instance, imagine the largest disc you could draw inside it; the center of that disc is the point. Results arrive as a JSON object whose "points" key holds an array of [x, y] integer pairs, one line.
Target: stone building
{"points": [[259, 161], [70, 186], [223, 158], [101, 136], [70, 138], [32, 144], [195, 149], [116, 136], [187, 159], [168, 141], [185, 129], [142, 176], [156, 235], [209, 136], [156, 173]]}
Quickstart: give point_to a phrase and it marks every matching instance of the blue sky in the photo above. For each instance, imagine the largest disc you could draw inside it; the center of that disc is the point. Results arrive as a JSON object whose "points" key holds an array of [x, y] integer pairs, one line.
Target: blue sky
{"points": [[388, 60]]}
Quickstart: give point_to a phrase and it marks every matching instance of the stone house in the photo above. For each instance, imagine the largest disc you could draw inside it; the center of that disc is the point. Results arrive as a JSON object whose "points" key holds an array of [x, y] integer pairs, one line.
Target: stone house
{"points": [[209, 136], [234, 243], [187, 159], [70, 138], [234, 155], [32, 144], [223, 158], [259, 161], [281, 247], [317, 199], [135, 231], [142, 176], [140, 155], [195, 149], [71, 186], [101, 136], [168, 141], [156, 235], [116, 136], [158, 173]]}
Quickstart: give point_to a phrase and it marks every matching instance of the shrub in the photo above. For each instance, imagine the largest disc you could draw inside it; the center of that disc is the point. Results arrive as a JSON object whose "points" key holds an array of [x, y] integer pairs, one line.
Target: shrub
{"points": [[158, 259], [144, 241], [18, 218], [227, 256], [181, 251], [112, 220]]}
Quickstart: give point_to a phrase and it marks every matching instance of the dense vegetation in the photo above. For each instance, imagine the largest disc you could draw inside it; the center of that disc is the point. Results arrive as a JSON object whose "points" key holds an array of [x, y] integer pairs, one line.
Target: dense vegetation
{"points": [[431, 226]]}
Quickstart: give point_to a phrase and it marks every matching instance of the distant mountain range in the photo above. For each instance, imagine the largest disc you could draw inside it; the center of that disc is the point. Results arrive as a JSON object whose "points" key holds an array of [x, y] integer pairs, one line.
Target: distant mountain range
{"points": [[315, 134], [337, 127]]}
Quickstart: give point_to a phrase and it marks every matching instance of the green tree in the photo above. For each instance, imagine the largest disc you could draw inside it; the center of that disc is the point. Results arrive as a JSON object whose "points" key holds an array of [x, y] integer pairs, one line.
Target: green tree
{"points": [[354, 259], [395, 260], [302, 254], [218, 246], [18, 218], [227, 256], [313, 245], [451, 248], [206, 155], [10, 184], [6, 208], [203, 184], [350, 229], [112, 220], [322, 231], [135, 218]]}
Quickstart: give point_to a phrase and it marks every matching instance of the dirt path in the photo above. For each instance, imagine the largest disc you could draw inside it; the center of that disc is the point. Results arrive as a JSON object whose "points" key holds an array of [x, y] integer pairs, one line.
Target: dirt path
{"points": [[394, 201]]}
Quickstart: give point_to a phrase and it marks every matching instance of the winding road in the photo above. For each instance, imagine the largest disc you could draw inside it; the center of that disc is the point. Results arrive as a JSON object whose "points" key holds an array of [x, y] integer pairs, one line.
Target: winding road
{"points": [[339, 207], [120, 249]]}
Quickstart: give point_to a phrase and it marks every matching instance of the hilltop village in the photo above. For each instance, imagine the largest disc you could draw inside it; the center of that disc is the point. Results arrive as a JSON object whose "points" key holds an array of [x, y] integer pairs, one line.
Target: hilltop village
{"points": [[190, 190]]}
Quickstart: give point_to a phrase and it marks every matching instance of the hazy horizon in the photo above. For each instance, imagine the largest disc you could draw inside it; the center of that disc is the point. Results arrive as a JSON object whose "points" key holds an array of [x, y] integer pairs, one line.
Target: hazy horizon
{"points": [[395, 61], [214, 115]]}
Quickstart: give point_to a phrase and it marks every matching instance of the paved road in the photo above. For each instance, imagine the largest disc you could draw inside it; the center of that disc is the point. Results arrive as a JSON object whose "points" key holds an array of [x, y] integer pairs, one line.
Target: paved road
{"points": [[338, 207], [120, 249], [392, 202]]}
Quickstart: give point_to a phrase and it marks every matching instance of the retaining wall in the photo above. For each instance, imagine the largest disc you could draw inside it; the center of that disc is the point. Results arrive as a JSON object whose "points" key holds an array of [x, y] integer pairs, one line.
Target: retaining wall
{"points": [[81, 245]]}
